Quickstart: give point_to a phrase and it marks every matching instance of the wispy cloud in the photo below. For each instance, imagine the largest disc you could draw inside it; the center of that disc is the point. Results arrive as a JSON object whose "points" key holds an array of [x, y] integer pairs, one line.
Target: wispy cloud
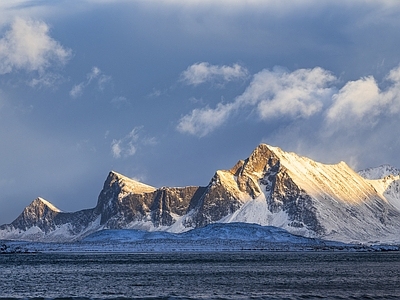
{"points": [[155, 93], [119, 101], [95, 75], [28, 46], [128, 145], [204, 72], [47, 80], [77, 90]]}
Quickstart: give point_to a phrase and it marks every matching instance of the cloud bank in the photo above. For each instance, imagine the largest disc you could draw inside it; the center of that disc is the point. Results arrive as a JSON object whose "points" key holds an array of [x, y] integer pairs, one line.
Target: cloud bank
{"points": [[278, 93], [273, 94]]}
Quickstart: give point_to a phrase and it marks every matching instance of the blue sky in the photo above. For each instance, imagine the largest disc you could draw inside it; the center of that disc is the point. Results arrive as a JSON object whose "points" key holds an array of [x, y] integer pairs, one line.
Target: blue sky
{"points": [[167, 92]]}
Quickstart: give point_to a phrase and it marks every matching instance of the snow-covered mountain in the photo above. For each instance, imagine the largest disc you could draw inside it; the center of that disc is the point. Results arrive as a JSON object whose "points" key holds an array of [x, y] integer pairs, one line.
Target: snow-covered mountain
{"points": [[270, 188], [379, 172], [386, 181]]}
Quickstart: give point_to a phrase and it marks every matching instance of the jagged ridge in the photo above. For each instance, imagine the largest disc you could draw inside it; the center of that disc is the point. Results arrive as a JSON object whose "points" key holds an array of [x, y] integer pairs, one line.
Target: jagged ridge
{"points": [[271, 187]]}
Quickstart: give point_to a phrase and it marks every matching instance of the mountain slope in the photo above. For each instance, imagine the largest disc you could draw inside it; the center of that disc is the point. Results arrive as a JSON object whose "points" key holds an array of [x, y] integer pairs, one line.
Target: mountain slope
{"points": [[386, 181], [271, 188]]}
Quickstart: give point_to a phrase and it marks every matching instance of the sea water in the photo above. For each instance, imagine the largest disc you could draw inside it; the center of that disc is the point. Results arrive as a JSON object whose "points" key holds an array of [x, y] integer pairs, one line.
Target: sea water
{"points": [[238, 275]]}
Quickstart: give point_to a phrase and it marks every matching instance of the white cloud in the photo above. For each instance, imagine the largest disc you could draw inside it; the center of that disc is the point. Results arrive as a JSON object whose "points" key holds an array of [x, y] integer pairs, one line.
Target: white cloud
{"points": [[355, 99], [295, 94], [203, 121], [273, 94], [128, 145], [302, 94], [392, 95], [205, 72], [94, 75], [28, 46], [363, 100]]}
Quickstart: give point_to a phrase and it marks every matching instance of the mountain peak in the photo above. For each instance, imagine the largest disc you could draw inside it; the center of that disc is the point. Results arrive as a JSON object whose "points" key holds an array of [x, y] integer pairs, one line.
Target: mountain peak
{"points": [[259, 158], [39, 201], [127, 184]]}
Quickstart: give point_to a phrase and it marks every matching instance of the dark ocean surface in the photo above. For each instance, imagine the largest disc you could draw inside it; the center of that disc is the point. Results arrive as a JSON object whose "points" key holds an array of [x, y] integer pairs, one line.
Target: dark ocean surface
{"points": [[238, 275]]}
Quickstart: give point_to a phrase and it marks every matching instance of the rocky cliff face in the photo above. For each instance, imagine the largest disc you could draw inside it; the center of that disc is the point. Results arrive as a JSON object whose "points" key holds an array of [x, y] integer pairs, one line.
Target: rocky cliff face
{"points": [[39, 213], [124, 203], [270, 187], [41, 220]]}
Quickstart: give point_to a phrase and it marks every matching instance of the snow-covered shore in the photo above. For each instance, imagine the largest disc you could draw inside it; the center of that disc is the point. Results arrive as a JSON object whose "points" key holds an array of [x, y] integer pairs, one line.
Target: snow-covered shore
{"points": [[215, 237]]}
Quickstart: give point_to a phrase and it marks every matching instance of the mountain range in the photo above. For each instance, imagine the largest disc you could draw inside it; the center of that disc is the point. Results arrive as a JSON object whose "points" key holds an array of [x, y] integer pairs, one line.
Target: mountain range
{"points": [[270, 188]]}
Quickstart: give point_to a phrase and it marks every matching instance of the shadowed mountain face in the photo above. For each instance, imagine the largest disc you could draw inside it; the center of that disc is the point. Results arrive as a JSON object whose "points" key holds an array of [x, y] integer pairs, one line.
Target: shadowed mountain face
{"points": [[271, 187]]}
